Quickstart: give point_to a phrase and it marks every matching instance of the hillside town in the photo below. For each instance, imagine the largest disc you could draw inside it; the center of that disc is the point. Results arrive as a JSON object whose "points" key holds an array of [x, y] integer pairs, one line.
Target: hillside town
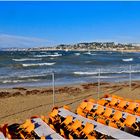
{"points": [[85, 46]]}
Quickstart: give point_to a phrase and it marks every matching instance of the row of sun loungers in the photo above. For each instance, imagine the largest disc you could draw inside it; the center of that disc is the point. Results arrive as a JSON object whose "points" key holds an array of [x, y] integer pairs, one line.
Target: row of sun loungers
{"points": [[121, 104], [72, 126], [111, 117], [34, 128], [108, 131]]}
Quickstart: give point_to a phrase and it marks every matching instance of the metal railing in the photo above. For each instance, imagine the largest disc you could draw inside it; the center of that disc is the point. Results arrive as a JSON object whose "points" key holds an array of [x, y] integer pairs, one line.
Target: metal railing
{"points": [[99, 80], [98, 85]]}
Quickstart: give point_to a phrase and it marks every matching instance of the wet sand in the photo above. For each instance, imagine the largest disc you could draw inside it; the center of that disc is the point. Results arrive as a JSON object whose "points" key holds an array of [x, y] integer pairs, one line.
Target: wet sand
{"points": [[18, 104]]}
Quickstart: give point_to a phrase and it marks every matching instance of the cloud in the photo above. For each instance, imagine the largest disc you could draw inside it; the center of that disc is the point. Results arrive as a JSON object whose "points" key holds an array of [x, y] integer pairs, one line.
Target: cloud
{"points": [[12, 41]]}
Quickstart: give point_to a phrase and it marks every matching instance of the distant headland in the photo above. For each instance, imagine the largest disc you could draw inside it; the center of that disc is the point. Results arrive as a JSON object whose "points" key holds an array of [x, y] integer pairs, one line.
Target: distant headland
{"points": [[85, 46]]}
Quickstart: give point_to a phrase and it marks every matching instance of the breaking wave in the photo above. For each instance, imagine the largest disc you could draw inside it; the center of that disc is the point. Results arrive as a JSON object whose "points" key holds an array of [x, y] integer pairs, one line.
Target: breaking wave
{"points": [[85, 73], [88, 53], [48, 55], [19, 81], [112, 72], [26, 59], [38, 64], [127, 60], [77, 54]]}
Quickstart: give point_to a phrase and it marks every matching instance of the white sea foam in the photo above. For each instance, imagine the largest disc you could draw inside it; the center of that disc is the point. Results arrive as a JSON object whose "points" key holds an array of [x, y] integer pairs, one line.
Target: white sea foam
{"points": [[127, 60], [105, 72], [11, 81], [48, 55], [56, 53], [19, 81], [41, 55], [88, 53], [106, 77], [77, 54], [38, 64], [32, 76], [85, 73], [27, 59]]}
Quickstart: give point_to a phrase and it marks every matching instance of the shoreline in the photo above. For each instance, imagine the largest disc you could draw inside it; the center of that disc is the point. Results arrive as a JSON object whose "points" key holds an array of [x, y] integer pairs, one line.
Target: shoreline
{"points": [[77, 50], [67, 85], [20, 103], [30, 86], [100, 50]]}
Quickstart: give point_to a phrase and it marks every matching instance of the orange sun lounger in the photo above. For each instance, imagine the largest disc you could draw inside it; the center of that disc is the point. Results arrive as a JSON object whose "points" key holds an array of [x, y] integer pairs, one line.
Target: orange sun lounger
{"points": [[122, 105], [131, 108], [113, 102]]}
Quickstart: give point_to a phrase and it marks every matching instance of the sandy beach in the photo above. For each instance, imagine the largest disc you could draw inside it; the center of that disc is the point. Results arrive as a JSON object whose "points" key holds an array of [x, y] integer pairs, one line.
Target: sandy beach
{"points": [[18, 104]]}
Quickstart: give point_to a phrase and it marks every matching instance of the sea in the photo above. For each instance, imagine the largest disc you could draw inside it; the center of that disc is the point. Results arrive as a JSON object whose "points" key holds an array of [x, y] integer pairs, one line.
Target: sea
{"points": [[35, 68]]}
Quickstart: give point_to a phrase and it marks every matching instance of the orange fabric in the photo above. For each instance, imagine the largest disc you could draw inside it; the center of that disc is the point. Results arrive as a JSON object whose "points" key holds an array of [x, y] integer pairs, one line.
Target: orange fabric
{"points": [[138, 114], [30, 128], [132, 106], [51, 126], [44, 118], [88, 128], [99, 110], [120, 98], [130, 120], [138, 110], [54, 113], [42, 138], [62, 132], [113, 101], [71, 137], [66, 107], [102, 102], [76, 125], [112, 124], [108, 112], [26, 124], [80, 111], [83, 105], [68, 120], [122, 104], [117, 115], [89, 106], [100, 120], [21, 135], [137, 101]]}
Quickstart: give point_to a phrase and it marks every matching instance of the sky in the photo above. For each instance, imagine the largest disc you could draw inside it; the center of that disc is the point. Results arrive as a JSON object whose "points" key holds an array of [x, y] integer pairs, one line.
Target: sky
{"points": [[31, 24]]}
